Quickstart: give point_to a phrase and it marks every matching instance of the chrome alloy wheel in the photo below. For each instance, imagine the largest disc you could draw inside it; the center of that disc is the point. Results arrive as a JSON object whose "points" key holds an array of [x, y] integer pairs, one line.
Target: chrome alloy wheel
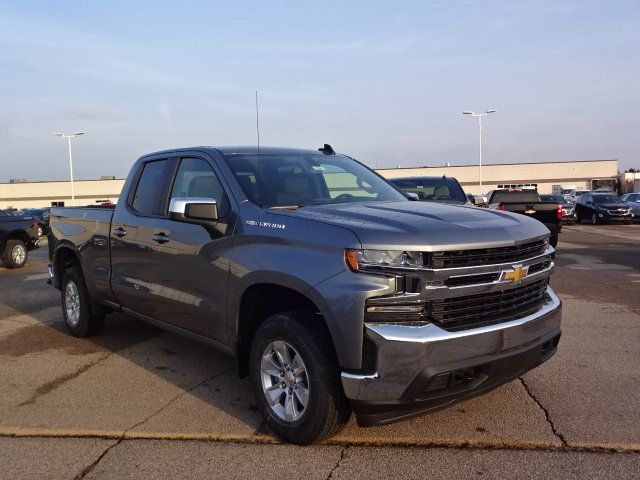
{"points": [[72, 303], [18, 254], [285, 381]]}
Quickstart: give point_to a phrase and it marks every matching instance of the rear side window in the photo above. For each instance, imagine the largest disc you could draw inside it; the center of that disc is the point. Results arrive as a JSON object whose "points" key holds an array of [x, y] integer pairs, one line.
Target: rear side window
{"points": [[146, 200], [196, 179]]}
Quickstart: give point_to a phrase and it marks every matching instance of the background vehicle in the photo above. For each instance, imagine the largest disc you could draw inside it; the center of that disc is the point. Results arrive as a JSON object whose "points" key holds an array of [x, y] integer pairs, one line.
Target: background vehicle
{"points": [[633, 200], [603, 208], [18, 235], [568, 208], [433, 189], [564, 191], [42, 216], [527, 202], [329, 286]]}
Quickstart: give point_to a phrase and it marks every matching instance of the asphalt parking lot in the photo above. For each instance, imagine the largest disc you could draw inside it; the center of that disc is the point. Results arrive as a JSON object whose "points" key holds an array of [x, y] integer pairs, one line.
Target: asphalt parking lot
{"points": [[138, 402]]}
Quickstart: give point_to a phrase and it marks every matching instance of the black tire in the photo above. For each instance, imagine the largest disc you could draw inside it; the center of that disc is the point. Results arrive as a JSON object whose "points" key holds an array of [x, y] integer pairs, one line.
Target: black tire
{"points": [[15, 254], [90, 318], [328, 410]]}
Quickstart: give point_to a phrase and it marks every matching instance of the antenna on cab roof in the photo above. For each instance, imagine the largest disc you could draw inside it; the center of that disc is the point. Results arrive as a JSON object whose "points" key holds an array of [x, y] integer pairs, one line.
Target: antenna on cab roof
{"points": [[259, 176], [327, 150]]}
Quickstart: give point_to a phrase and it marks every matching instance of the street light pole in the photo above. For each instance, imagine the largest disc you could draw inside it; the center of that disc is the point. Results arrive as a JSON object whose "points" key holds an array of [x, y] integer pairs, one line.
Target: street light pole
{"points": [[480, 115], [69, 137]]}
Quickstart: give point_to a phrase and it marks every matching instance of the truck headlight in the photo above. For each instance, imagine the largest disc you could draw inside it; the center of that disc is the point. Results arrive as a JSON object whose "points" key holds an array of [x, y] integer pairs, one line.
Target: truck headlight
{"points": [[379, 260]]}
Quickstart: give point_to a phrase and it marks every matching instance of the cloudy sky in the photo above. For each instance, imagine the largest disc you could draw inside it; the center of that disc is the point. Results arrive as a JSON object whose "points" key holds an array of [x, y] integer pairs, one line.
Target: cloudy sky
{"points": [[385, 82]]}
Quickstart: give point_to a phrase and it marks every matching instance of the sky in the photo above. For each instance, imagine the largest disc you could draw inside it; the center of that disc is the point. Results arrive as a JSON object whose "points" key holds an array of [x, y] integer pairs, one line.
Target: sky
{"points": [[384, 82]]}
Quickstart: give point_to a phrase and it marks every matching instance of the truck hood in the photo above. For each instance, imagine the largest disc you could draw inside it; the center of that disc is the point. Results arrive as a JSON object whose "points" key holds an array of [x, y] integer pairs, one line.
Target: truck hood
{"points": [[424, 226]]}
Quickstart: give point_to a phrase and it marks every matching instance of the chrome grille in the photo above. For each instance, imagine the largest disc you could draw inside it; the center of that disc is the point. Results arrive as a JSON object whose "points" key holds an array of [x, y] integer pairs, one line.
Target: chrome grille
{"points": [[484, 256], [459, 313]]}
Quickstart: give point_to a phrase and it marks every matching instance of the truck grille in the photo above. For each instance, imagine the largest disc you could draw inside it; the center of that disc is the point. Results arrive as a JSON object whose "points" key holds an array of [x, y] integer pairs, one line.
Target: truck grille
{"points": [[484, 256], [471, 311]]}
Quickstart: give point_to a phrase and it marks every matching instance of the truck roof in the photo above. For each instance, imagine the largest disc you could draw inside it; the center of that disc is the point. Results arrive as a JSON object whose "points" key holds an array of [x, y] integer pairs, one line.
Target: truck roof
{"points": [[243, 149]]}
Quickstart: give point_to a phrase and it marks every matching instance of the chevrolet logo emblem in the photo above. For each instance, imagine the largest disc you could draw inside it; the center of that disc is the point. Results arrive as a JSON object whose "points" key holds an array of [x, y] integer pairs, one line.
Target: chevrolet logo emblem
{"points": [[517, 274]]}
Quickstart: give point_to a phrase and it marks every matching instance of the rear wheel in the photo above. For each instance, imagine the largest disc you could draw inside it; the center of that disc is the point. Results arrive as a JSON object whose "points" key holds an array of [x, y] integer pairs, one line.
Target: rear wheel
{"points": [[15, 254], [296, 379], [80, 318]]}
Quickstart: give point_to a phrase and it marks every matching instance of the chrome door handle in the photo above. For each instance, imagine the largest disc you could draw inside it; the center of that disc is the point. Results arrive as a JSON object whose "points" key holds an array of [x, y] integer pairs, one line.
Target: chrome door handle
{"points": [[160, 238], [119, 232]]}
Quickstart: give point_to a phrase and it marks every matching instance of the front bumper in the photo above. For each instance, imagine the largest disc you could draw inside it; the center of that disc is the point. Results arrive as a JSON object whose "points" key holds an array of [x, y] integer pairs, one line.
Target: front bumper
{"points": [[426, 368]]}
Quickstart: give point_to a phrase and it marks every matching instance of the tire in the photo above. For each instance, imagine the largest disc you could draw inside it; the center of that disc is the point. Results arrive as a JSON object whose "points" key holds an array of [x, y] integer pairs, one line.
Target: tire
{"points": [[81, 319], [594, 219], [15, 254], [300, 336]]}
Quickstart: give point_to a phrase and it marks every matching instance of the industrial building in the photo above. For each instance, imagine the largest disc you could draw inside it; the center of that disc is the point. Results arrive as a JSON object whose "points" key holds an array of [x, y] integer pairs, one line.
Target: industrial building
{"points": [[585, 174]]}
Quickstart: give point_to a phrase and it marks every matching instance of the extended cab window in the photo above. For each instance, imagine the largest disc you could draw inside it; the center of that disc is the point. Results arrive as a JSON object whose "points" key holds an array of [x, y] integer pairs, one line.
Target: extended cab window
{"points": [[146, 200], [196, 179]]}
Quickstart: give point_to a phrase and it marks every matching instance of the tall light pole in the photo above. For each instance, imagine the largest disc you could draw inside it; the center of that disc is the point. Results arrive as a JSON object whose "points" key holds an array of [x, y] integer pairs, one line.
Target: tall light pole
{"points": [[480, 115], [69, 136]]}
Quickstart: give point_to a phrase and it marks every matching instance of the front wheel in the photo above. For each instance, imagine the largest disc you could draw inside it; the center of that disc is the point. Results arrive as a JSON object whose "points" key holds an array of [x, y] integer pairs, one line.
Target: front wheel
{"points": [[594, 219], [296, 379], [79, 317], [15, 254]]}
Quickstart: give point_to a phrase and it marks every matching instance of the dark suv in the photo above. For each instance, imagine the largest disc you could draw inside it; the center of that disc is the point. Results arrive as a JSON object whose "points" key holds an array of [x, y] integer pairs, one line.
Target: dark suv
{"points": [[603, 208]]}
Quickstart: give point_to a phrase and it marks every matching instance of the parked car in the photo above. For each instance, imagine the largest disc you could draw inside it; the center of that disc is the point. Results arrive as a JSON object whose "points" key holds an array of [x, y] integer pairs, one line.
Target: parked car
{"points": [[42, 216], [332, 290], [568, 208], [18, 235], [633, 200], [527, 202], [434, 189], [603, 208]]}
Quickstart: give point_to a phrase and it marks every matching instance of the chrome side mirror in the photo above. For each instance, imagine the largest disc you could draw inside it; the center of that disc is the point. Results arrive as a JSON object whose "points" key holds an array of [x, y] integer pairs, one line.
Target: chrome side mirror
{"points": [[412, 196], [193, 210]]}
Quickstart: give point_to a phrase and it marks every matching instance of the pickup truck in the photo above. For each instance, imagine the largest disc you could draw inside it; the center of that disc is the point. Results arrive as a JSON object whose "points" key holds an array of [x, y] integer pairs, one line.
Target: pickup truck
{"points": [[527, 202], [18, 235], [334, 291]]}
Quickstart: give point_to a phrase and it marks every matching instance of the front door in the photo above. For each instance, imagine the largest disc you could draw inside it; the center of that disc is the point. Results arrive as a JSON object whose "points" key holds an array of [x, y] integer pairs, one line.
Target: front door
{"points": [[189, 263]]}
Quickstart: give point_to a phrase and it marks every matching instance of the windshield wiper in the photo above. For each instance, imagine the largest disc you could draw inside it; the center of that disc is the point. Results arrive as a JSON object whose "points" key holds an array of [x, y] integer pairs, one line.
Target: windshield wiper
{"points": [[286, 207]]}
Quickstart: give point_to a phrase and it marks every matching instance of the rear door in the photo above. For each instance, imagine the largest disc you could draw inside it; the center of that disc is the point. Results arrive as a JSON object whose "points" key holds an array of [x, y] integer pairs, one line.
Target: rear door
{"points": [[132, 231], [189, 263]]}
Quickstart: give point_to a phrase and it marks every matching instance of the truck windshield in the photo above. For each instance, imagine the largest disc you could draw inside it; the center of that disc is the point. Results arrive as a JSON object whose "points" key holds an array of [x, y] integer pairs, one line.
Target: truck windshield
{"points": [[437, 189], [292, 180], [607, 199]]}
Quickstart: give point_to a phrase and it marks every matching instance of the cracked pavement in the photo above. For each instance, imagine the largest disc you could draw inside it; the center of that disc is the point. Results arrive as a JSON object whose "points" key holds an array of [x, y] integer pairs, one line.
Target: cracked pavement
{"points": [[137, 402]]}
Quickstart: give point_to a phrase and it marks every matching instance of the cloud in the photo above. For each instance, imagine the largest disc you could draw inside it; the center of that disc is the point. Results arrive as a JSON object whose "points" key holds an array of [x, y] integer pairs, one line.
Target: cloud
{"points": [[96, 113]]}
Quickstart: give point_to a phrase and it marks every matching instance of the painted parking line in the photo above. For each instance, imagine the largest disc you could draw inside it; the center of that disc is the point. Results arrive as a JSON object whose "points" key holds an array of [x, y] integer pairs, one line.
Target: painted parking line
{"points": [[36, 276], [341, 440]]}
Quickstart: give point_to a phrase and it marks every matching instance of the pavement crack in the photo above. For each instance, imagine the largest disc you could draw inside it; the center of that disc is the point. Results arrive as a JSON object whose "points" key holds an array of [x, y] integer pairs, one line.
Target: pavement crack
{"points": [[59, 381], [174, 399], [343, 454], [93, 465], [547, 416]]}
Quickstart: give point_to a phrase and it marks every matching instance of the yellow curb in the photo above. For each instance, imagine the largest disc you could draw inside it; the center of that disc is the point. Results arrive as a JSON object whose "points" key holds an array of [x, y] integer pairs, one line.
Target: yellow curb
{"points": [[341, 440]]}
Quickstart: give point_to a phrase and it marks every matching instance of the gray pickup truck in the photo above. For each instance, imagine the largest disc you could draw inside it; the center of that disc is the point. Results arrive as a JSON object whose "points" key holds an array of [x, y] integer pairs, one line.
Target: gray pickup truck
{"points": [[331, 288]]}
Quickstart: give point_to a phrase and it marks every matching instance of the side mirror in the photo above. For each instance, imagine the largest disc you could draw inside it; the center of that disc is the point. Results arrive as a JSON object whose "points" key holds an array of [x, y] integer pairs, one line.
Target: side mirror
{"points": [[413, 196], [478, 201], [193, 210]]}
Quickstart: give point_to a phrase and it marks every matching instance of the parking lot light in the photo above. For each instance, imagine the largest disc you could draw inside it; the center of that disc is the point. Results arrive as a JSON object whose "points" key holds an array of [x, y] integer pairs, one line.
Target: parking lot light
{"points": [[69, 137], [479, 115]]}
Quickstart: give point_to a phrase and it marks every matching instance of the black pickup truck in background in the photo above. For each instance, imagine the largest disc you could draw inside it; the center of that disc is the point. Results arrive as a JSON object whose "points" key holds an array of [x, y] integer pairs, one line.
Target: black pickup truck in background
{"points": [[18, 235], [527, 202]]}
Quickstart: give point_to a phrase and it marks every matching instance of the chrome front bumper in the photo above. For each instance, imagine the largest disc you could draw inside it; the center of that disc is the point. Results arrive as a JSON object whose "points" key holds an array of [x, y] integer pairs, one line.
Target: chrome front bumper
{"points": [[409, 357]]}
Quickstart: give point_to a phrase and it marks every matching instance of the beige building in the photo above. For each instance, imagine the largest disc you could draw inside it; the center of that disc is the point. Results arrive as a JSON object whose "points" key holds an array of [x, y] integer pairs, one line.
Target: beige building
{"points": [[47, 194], [585, 174], [581, 175]]}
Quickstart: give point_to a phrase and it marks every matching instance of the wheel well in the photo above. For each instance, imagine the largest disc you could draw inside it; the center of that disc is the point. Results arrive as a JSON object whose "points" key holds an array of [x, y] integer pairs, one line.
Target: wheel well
{"points": [[65, 258], [258, 303], [18, 235]]}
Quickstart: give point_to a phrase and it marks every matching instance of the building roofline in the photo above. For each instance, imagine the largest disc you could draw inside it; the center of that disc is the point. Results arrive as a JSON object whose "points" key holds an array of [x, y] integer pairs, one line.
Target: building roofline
{"points": [[66, 181], [499, 164]]}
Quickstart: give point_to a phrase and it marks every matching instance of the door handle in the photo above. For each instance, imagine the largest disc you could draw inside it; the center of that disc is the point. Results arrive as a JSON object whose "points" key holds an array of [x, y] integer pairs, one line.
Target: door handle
{"points": [[119, 232], [160, 238]]}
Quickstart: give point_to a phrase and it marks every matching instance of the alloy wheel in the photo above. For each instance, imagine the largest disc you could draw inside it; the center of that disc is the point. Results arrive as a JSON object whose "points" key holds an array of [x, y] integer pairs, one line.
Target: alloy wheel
{"points": [[72, 303], [285, 381], [18, 254]]}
